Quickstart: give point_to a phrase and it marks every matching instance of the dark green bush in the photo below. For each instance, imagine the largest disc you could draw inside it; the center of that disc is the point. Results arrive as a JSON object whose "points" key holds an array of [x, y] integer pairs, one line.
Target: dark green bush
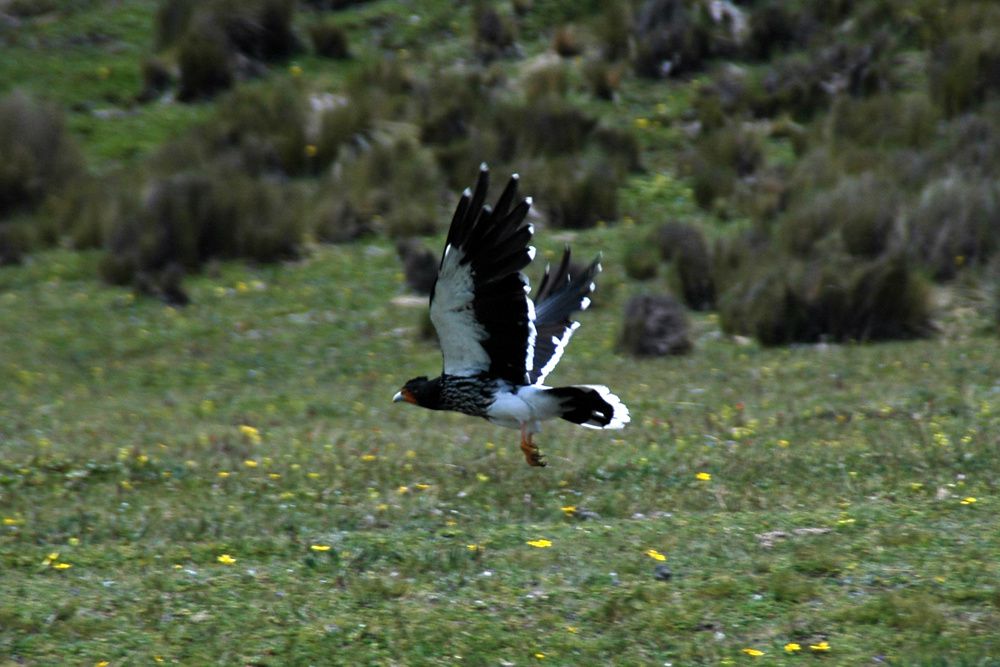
{"points": [[719, 158], [188, 218], [38, 154], [267, 118], [655, 325], [156, 79], [860, 211], [640, 260], [15, 242], [566, 42], [685, 248], [780, 301], [394, 187], [89, 207], [206, 65], [613, 29], [545, 82], [955, 223], [884, 121], [576, 192], [671, 37], [347, 125], [965, 68], [216, 35], [604, 79], [329, 40], [494, 34]]}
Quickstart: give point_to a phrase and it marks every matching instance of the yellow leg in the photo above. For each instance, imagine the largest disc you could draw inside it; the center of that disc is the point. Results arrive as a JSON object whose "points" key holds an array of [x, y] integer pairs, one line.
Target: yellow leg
{"points": [[530, 449]]}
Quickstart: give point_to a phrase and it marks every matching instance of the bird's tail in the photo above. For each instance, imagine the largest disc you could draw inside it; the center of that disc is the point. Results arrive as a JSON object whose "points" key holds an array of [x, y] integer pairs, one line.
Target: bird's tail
{"points": [[591, 405]]}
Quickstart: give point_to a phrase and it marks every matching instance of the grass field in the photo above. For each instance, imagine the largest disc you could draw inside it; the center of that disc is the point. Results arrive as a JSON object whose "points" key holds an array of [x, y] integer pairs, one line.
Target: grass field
{"points": [[230, 484]]}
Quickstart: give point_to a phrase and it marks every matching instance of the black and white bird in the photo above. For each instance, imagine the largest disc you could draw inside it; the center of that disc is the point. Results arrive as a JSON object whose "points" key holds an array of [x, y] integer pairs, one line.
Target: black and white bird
{"points": [[498, 343]]}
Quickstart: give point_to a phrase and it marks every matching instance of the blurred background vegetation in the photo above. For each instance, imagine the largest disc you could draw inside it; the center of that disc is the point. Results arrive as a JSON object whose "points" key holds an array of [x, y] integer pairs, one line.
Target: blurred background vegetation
{"points": [[806, 168]]}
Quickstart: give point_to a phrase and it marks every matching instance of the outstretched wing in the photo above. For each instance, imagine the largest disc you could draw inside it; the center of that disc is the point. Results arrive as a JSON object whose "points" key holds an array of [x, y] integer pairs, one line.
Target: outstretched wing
{"points": [[559, 295], [479, 305]]}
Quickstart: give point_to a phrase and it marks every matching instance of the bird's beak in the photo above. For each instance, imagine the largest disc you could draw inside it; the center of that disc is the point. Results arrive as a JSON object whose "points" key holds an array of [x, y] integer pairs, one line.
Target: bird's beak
{"points": [[404, 396]]}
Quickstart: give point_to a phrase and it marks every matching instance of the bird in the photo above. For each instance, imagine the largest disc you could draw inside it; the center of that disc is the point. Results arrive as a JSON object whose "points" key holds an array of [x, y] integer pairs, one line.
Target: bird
{"points": [[498, 344]]}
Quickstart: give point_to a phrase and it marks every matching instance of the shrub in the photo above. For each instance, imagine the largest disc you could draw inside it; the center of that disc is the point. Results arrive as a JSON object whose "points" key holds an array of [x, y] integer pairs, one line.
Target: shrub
{"points": [[545, 81], [189, 218], [685, 248], [394, 187], [156, 79], [655, 325], [39, 155], [566, 42], [205, 64], [671, 37], [344, 125], [420, 265], [603, 78], [269, 119], [720, 157], [886, 120], [613, 29], [576, 192], [860, 210], [640, 260], [549, 128], [329, 40], [89, 207], [494, 34], [954, 223], [781, 301], [15, 242], [964, 69]]}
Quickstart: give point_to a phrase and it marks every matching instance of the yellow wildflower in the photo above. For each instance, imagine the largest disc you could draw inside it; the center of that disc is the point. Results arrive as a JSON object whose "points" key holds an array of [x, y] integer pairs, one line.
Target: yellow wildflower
{"points": [[822, 646], [474, 547], [792, 647], [642, 123], [223, 474], [320, 547], [368, 457], [540, 544], [311, 150], [250, 463], [482, 478], [753, 651], [403, 489], [12, 521], [422, 487], [295, 70], [968, 500], [783, 443], [655, 555], [61, 566], [703, 477], [569, 510], [250, 433], [226, 559]]}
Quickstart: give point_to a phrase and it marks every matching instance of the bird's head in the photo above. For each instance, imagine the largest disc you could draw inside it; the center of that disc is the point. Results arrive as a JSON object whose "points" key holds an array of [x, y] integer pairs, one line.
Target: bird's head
{"points": [[420, 391]]}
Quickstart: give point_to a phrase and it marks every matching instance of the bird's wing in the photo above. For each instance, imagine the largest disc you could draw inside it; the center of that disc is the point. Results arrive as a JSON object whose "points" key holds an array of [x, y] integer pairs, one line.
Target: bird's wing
{"points": [[479, 305], [559, 295]]}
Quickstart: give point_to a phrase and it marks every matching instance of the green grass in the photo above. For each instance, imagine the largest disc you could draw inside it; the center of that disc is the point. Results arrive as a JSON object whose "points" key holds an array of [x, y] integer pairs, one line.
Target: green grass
{"points": [[124, 454], [139, 444]]}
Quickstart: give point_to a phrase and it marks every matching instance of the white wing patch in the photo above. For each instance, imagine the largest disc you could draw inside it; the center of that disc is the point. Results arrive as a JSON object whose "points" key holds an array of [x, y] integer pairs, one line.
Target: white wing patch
{"points": [[619, 415], [557, 352], [453, 315]]}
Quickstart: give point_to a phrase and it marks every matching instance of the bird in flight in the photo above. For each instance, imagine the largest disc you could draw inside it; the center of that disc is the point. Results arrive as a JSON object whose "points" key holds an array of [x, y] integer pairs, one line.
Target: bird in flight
{"points": [[498, 343]]}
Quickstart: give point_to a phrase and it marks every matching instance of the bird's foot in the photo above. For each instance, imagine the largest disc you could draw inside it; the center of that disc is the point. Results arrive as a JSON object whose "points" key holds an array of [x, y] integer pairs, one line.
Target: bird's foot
{"points": [[531, 453]]}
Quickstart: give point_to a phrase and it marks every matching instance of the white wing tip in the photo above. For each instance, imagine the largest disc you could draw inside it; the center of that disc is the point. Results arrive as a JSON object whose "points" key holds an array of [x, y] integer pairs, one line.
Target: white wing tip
{"points": [[515, 176], [529, 201], [483, 166], [467, 192], [531, 249], [584, 303]]}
